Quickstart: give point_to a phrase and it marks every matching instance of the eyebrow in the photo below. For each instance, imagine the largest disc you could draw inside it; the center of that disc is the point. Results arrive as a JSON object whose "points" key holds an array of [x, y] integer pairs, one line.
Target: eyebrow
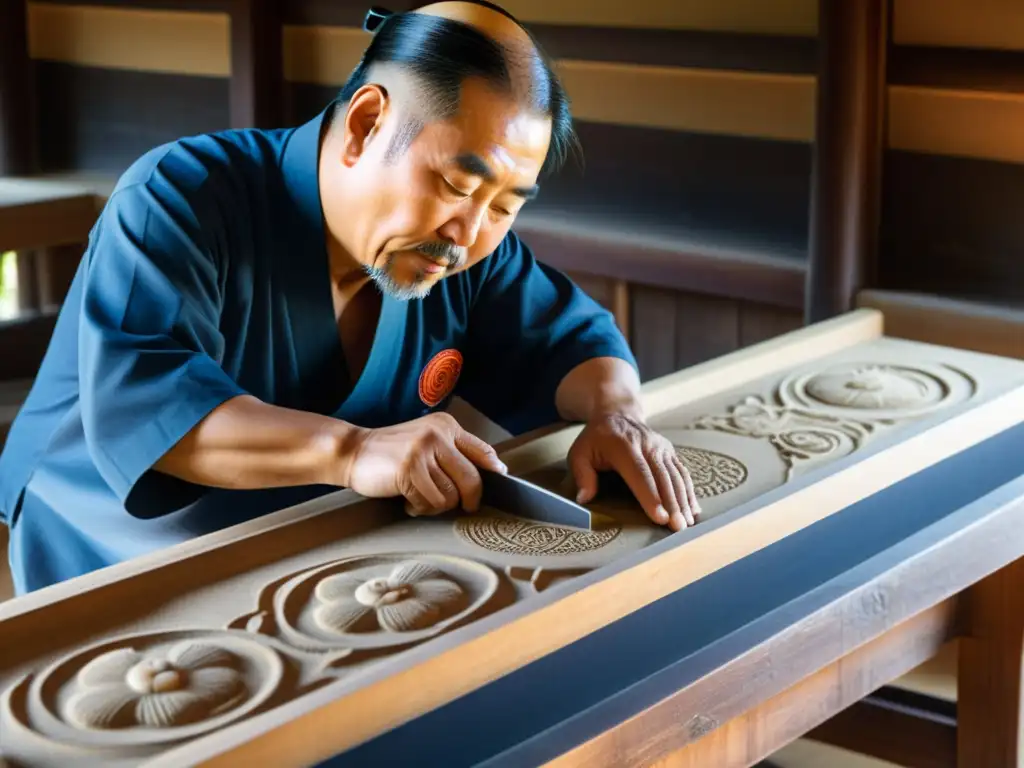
{"points": [[475, 165]]}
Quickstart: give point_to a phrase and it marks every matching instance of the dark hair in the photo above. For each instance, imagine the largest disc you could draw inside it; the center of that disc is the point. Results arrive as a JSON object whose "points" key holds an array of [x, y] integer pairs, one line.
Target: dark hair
{"points": [[442, 53]]}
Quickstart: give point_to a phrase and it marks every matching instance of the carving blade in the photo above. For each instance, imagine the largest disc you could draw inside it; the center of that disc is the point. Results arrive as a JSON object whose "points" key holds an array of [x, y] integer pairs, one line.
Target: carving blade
{"points": [[520, 497]]}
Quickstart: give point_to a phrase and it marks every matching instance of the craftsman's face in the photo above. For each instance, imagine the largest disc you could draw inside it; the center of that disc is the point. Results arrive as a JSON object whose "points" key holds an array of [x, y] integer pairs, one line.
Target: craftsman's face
{"points": [[446, 201]]}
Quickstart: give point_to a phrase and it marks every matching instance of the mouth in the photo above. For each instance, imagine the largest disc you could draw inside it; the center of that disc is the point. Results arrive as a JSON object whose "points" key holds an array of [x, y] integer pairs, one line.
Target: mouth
{"points": [[430, 266]]}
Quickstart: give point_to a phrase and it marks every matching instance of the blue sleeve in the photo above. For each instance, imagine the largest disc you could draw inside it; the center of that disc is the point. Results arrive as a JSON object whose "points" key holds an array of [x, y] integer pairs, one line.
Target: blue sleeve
{"points": [[148, 341], [530, 326]]}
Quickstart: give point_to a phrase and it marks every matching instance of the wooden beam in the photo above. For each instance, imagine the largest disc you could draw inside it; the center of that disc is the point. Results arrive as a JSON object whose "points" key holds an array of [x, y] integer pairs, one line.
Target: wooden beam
{"points": [[849, 139], [908, 729], [765, 729], [17, 110], [990, 686], [257, 72]]}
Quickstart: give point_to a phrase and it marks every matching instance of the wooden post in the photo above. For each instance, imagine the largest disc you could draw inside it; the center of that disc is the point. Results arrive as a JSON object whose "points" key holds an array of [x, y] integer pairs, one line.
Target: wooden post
{"points": [[990, 674], [849, 139], [17, 108], [257, 70]]}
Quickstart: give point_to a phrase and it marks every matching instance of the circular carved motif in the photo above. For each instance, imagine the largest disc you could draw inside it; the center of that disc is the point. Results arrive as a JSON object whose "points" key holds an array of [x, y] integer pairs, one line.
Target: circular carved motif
{"points": [[379, 601], [877, 391], [712, 473], [152, 689], [439, 376], [520, 537], [876, 387]]}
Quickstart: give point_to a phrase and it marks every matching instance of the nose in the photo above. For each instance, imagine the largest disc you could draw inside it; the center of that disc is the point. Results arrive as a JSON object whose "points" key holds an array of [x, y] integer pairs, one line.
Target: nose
{"points": [[463, 229]]}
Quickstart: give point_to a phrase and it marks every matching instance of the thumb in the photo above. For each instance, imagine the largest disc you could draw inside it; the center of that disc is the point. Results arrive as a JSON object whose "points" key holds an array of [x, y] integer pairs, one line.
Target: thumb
{"points": [[585, 476]]}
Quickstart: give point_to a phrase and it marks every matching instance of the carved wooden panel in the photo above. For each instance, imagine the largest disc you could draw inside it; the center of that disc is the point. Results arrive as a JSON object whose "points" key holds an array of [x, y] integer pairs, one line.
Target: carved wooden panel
{"points": [[202, 650]]}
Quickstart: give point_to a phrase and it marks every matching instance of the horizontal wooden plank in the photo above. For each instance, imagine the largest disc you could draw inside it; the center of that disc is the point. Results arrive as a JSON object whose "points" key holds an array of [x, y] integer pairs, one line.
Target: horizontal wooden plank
{"points": [[766, 105], [37, 214], [962, 123], [956, 68], [994, 330], [957, 23], [178, 42], [694, 267], [951, 226], [782, 17]]}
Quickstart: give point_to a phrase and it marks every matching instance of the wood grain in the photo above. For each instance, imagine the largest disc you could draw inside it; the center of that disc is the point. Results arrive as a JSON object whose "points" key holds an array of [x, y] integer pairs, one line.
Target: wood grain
{"points": [[990, 692], [256, 92], [765, 729], [847, 170], [977, 326]]}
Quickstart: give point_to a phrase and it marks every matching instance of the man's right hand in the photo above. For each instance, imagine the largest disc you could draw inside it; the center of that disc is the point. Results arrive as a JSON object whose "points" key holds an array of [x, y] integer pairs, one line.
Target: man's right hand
{"points": [[430, 461]]}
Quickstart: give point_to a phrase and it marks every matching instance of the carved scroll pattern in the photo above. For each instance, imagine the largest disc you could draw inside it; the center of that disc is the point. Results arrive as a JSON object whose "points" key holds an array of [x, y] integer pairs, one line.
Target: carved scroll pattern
{"points": [[831, 413]]}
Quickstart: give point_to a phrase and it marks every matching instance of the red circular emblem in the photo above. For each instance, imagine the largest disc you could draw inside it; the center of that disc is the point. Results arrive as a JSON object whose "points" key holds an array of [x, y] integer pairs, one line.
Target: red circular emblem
{"points": [[439, 376]]}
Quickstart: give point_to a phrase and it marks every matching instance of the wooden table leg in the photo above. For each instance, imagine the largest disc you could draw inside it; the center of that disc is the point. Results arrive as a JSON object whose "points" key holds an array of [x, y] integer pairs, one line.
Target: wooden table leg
{"points": [[990, 699]]}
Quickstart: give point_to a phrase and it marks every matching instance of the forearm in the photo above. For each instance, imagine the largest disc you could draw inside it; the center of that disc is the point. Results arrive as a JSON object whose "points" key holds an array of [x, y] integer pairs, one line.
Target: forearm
{"points": [[248, 444], [603, 385]]}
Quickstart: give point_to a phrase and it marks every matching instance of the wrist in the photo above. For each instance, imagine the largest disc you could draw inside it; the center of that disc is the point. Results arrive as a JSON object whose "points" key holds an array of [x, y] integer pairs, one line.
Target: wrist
{"points": [[336, 451], [627, 406]]}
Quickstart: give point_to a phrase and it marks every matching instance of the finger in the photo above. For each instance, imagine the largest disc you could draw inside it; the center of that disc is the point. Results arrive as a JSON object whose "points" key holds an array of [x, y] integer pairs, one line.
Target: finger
{"points": [[415, 504], [479, 451], [585, 476], [423, 481], [676, 472], [446, 485], [464, 476], [662, 471], [691, 492], [633, 468]]}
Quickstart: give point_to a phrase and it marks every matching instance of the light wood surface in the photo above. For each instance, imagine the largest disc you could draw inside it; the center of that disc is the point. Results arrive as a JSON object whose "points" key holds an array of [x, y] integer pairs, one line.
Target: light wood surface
{"points": [[994, 330], [782, 719]]}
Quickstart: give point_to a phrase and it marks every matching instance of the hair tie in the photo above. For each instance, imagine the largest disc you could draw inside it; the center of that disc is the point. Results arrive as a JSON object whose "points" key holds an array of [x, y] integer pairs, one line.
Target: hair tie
{"points": [[375, 17]]}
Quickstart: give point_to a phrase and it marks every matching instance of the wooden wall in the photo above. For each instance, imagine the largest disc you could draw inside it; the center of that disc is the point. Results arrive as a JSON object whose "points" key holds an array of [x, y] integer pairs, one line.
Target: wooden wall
{"points": [[689, 216]]}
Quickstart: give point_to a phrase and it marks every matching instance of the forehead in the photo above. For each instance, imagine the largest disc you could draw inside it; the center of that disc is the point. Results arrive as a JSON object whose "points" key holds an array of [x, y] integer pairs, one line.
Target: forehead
{"points": [[494, 126]]}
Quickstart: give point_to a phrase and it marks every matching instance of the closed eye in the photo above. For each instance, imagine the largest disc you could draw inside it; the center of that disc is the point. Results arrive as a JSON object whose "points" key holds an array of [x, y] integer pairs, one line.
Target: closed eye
{"points": [[453, 189]]}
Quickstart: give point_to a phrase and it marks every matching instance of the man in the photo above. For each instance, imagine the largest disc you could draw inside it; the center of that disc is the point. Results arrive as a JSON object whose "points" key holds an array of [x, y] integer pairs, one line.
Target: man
{"points": [[263, 315]]}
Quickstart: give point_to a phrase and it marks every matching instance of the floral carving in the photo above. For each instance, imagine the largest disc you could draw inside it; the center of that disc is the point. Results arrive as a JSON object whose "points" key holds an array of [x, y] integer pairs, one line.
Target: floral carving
{"points": [[370, 602], [149, 689], [712, 473], [874, 387], [875, 391], [124, 687], [413, 596]]}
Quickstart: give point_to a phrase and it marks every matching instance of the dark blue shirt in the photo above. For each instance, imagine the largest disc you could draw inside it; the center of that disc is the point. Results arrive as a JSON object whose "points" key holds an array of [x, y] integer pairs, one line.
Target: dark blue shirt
{"points": [[206, 277]]}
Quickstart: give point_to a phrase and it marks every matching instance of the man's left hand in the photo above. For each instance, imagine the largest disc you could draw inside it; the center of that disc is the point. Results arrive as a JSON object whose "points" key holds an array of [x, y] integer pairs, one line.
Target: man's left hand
{"points": [[645, 460]]}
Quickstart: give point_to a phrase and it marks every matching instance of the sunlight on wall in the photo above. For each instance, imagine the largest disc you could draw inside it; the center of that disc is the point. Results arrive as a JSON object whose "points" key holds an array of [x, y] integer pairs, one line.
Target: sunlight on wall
{"points": [[8, 285]]}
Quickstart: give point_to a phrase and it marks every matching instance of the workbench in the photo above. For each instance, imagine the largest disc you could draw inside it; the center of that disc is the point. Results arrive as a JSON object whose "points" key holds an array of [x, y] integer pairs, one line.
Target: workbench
{"points": [[863, 504]]}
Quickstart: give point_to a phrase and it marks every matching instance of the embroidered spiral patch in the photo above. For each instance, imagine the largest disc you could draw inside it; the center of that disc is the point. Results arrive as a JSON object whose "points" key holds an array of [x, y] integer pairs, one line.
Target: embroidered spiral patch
{"points": [[439, 376]]}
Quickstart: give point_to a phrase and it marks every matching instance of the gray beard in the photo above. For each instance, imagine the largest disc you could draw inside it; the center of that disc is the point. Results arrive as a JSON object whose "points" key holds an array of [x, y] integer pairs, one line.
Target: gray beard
{"points": [[381, 277]]}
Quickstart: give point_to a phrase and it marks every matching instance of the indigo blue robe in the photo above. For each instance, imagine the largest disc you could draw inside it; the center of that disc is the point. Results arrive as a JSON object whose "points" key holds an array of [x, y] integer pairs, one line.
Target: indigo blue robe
{"points": [[206, 277]]}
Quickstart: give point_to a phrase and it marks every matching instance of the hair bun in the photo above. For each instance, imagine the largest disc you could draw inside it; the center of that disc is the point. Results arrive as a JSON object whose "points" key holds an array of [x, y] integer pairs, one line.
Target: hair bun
{"points": [[375, 17]]}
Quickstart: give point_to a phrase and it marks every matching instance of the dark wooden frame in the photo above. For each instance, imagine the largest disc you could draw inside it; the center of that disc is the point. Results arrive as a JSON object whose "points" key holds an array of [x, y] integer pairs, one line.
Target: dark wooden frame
{"points": [[848, 147], [256, 92], [17, 112]]}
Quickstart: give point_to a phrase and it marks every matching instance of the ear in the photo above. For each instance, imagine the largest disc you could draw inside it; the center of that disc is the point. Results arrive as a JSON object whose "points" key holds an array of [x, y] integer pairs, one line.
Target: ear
{"points": [[363, 121]]}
